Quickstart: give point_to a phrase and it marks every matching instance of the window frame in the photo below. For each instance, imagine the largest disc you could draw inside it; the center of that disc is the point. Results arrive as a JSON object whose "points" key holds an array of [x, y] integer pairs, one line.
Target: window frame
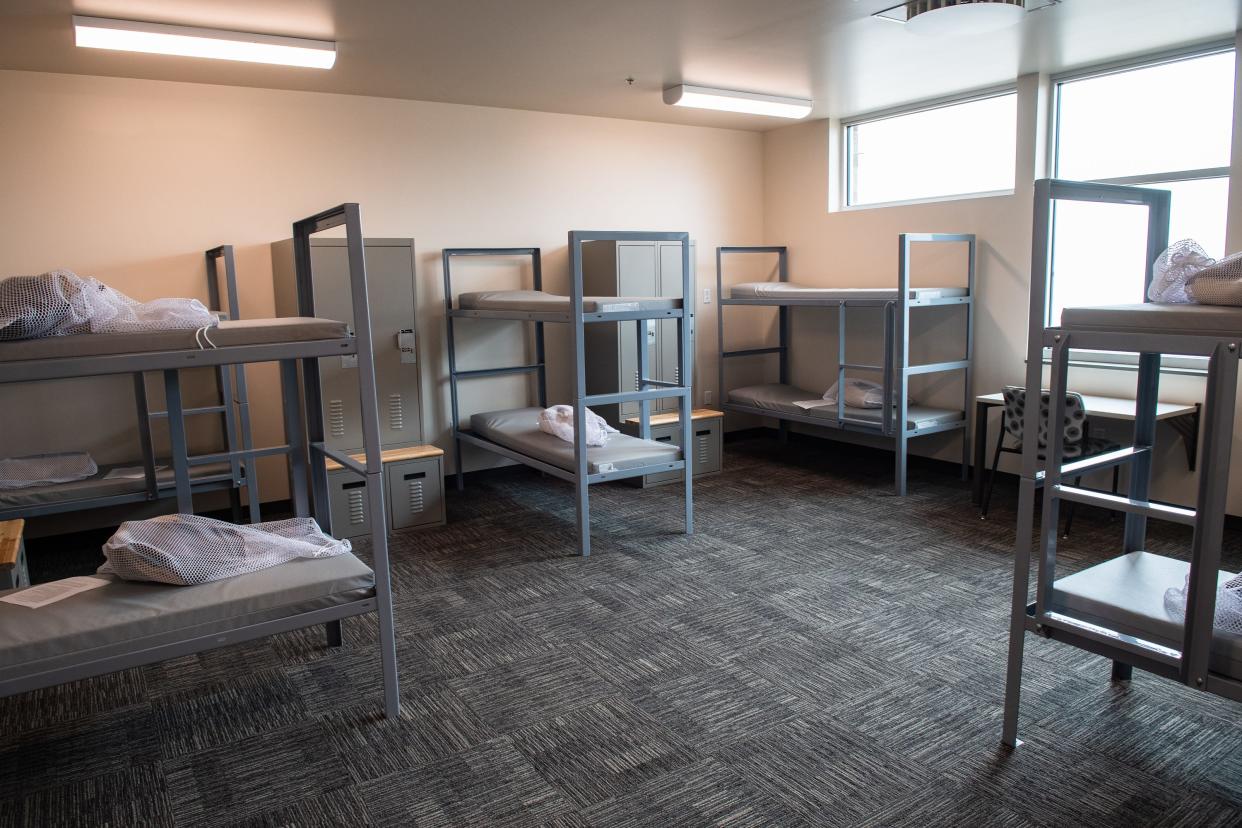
{"points": [[849, 174], [1170, 364]]}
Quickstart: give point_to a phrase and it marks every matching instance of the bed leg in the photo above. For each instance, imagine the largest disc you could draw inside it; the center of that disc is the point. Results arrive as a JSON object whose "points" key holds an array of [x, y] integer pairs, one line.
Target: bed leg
{"points": [[333, 631], [584, 517], [783, 431], [1122, 671]]}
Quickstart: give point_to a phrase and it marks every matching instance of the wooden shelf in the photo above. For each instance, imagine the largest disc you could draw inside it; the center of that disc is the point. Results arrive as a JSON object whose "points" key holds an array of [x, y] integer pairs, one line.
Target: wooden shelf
{"points": [[393, 455], [671, 416]]}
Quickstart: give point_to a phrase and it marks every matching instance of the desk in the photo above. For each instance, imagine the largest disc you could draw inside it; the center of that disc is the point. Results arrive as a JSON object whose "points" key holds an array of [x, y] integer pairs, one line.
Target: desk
{"points": [[1184, 419]]}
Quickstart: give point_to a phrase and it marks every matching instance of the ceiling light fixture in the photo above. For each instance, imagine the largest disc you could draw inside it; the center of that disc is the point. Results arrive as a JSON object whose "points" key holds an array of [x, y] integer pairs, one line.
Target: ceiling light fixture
{"points": [[751, 103], [191, 41], [953, 17]]}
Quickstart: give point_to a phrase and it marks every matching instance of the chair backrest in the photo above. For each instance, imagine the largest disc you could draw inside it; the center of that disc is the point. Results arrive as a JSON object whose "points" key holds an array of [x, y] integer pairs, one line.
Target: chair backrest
{"points": [[1015, 415]]}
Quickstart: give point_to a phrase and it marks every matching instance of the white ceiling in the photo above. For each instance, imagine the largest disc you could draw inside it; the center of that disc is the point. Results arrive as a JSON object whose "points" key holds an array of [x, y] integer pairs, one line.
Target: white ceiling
{"points": [[574, 55]]}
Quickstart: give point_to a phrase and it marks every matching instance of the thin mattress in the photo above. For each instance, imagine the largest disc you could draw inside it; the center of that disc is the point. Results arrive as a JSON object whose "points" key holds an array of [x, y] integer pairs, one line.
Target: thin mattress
{"points": [[518, 429], [227, 334], [1126, 594], [1185, 320], [130, 613], [536, 301], [100, 485], [783, 399], [791, 291]]}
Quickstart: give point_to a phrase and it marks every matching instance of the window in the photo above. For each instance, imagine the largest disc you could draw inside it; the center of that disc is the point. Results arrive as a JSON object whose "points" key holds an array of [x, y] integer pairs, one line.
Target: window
{"points": [[1167, 125], [957, 149]]}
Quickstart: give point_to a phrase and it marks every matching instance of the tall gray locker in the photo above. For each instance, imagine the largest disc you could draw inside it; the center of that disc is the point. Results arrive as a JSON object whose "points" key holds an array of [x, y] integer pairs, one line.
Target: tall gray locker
{"points": [[390, 282], [632, 269]]}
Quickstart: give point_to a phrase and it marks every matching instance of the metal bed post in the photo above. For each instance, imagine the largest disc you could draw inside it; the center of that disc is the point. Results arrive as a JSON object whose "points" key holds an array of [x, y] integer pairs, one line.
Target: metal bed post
{"points": [[968, 371], [351, 216], [1210, 507], [540, 350], [144, 436], [903, 364], [224, 385], [782, 315], [452, 360], [581, 484], [644, 368], [311, 387], [685, 367], [721, 393], [176, 438]]}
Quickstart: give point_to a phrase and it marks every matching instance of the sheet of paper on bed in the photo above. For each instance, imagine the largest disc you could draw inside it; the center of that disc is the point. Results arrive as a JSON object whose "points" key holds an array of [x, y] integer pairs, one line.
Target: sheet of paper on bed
{"points": [[807, 404], [53, 591], [130, 472]]}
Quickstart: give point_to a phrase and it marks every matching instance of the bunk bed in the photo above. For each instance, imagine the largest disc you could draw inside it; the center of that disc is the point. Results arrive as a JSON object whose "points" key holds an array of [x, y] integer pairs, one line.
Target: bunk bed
{"points": [[126, 624], [151, 478], [514, 433], [1116, 609], [897, 418]]}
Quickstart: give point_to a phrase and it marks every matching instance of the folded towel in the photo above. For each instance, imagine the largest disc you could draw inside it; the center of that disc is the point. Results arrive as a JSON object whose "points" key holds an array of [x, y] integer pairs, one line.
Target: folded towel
{"points": [[559, 422], [858, 394]]}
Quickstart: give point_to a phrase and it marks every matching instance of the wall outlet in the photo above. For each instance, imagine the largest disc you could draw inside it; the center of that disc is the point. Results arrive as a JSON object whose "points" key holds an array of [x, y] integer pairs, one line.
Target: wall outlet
{"points": [[707, 398], [707, 296]]}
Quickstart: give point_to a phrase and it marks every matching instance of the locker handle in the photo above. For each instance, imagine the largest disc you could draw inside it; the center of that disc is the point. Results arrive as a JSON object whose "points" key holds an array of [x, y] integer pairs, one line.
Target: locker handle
{"points": [[415, 476], [356, 484], [664, 439], [407, 345], [704, 433]]}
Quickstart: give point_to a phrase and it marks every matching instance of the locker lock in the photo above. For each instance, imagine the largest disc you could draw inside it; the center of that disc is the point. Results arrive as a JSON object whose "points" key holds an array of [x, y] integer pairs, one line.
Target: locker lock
{"points": [[406, 345]]}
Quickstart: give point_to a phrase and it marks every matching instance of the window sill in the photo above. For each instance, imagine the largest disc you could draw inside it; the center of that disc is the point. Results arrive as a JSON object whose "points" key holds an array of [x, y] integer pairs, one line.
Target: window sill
{"points": [[913, 202]]}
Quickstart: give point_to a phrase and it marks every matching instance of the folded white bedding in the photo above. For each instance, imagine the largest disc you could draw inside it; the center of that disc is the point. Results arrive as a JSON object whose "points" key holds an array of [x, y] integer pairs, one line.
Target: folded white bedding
{"points": [[559, 422]]}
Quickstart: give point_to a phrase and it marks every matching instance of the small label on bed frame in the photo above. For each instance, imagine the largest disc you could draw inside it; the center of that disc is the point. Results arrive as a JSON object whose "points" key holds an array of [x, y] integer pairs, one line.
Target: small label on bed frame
{"points": [[53, 591]]}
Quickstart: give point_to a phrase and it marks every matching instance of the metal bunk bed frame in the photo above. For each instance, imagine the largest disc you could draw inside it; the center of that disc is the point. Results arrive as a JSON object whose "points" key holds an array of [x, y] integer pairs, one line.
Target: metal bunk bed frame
{"points": [[648, 389], [896, 368], [1190, 664], [233, 404], [304, 447]]}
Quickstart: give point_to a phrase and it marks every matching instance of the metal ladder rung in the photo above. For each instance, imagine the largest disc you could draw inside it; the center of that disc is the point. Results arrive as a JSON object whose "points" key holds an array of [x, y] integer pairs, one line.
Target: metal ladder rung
{"points": [[1100, 461], [1176, 514], [190, 412], [850, 366], [753, 352]]}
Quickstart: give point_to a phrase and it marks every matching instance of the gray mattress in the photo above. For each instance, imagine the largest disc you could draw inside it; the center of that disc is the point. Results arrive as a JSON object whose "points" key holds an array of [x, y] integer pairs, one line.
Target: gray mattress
{"points": [[126, 611], [781, 398], [1188, 320], [518, 429], [536, 301], [97, 486], [1126, 594], [240, 332], [789, 290]]}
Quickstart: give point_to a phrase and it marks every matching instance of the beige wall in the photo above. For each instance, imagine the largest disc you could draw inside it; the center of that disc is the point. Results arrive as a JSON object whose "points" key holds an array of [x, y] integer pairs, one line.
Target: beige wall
{"points": [[859, 247], [131, 180]]}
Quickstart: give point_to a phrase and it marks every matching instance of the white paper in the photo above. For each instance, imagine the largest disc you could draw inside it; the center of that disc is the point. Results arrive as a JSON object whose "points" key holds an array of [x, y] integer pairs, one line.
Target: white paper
{"points": [[130, 472], [815, 403], [53, 591]]}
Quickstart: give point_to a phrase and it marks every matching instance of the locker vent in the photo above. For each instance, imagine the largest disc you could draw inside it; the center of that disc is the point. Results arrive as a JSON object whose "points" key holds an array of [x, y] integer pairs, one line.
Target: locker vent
{"points": [[677, 375], [416, 496], [336, 418], [700, 449], [635, 379], [396, 412], [357, 512]]}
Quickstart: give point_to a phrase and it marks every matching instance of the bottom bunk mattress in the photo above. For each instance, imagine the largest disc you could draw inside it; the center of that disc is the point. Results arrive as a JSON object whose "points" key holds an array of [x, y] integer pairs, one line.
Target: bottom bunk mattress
{"points": [[129, 612], [783, 399], [1126, 594], [100, 485], [518, 429]]}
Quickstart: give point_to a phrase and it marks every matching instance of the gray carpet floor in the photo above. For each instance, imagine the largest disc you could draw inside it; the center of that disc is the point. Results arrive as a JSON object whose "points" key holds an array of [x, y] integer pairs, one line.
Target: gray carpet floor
{"points": [[820, 652]]}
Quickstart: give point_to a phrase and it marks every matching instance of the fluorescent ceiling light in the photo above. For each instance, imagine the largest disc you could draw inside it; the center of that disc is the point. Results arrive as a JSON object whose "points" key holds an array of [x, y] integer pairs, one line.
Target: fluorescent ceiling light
{"points": [[190, 41], [748, 102]]}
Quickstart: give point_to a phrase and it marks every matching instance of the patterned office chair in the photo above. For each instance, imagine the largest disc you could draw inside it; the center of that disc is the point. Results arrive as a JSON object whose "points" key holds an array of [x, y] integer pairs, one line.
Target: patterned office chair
{"points": [[1077, 438]]}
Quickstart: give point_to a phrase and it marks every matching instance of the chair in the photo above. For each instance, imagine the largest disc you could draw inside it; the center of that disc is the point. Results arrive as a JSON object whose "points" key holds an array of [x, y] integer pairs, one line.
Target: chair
{"points": [[1078, 440]]}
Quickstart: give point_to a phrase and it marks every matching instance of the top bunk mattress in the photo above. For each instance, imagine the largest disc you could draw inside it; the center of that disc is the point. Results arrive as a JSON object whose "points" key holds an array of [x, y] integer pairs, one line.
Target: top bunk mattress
{"points": [[784, 399], [789, 290], [226, 334], [1149, 317], [537, 301], [518, 429], [128, 611]]}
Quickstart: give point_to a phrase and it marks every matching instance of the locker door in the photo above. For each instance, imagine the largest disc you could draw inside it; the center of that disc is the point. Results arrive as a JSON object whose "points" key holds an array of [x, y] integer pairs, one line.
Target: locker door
{"points": [[348, 504], [636, 276], [391, 282], [666, 338]]}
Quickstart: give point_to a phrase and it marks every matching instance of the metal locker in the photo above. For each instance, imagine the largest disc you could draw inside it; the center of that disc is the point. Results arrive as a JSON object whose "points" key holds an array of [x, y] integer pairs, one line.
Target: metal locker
{"points": [[664, 434], [415, 496], [391, 284], [707, 446], [347, 500]]}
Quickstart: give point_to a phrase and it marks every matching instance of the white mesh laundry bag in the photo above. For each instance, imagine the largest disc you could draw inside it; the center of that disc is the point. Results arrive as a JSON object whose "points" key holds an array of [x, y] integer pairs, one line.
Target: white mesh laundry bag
{"points": [[559, 422], [1220, 283], [45, 469], [1174, 269], [61, 303], [858, 394], [190, 549], [1228, 604]]}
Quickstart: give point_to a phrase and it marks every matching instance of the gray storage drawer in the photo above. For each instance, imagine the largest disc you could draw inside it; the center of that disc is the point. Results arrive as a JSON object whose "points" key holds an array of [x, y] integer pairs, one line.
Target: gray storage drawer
{"points": [[415, 494], [707, 433], [348, 504]]}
